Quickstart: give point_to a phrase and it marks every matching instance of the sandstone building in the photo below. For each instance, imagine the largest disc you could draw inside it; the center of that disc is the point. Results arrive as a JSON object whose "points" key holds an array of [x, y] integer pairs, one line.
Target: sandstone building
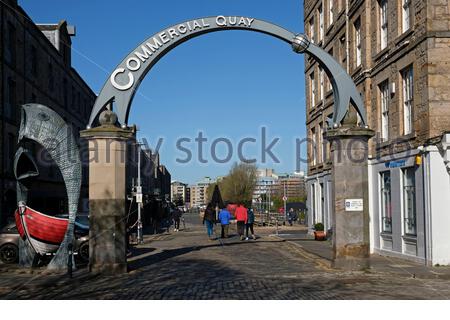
{"points": [[35, 66], [398, 54]]}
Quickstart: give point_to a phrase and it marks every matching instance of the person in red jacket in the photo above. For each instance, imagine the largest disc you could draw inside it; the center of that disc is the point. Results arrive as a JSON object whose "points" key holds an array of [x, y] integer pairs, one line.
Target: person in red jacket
{"points": [[241, 218]]}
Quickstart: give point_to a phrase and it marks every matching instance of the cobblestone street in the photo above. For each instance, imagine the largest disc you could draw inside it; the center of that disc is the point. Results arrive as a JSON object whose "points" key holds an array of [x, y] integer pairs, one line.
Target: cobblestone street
{"points": [[186, 265]]}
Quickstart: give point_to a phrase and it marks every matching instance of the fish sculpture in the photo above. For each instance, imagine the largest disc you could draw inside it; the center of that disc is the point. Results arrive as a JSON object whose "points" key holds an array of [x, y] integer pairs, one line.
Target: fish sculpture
{"points": [[44, 126]]}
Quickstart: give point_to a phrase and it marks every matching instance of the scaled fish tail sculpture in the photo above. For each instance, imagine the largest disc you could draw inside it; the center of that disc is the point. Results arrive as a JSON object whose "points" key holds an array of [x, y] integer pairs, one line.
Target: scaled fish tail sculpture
{"points": [[45, 127]]}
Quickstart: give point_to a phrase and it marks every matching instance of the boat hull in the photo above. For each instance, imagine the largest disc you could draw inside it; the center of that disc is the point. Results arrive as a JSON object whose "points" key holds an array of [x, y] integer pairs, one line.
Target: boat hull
{"points": [[44, 232]]}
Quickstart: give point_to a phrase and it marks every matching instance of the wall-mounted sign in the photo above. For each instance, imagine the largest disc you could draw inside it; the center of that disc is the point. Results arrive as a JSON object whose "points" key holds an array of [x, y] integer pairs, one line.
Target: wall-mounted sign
{"points": [[354, 205], [395, 164]]}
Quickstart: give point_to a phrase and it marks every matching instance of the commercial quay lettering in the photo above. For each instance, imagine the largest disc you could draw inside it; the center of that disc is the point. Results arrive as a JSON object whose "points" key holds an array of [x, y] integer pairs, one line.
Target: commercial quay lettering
{"points": [[139, 57]]}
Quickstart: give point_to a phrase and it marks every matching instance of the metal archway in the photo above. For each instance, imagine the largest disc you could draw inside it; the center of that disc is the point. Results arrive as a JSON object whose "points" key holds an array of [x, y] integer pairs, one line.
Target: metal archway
{"points": [[124, 81]]}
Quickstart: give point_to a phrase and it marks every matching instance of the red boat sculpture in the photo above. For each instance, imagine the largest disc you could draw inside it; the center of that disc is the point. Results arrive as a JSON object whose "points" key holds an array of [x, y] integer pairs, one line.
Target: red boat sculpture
{"points": [[44, 232]]}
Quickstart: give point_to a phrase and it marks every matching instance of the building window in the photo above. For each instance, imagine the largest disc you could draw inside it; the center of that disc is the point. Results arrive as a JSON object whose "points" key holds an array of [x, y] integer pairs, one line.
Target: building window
{"points": [[34, 60], [386, 208], [10, 110], [313, 90], [65, 93], [78, 106], [406, 15], [321, 144], [73, 101], [313, 147], [322, 84], [343, 50], [51, 81], [11, 151], [383, 23], [322, 202], [407, 77], [409, 201], [384, 99], [311, 30], [313, 202], [10, 47], [330, 8], [358, 41], [321, 31]]}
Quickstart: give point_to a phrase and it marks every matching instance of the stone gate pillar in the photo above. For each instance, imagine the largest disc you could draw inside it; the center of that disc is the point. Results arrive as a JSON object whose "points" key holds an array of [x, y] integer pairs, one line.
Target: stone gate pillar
{"points": [[349, 153], [107, 194]]}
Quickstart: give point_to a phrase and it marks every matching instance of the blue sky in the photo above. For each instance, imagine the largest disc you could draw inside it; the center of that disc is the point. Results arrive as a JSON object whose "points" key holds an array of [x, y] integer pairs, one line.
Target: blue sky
{"points": [[226, 84]]}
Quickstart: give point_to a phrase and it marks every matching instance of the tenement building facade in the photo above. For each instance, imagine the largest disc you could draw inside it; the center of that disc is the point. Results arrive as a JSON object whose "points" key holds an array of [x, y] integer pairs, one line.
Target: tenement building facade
{"points": [[35, 66], [398, 54]]}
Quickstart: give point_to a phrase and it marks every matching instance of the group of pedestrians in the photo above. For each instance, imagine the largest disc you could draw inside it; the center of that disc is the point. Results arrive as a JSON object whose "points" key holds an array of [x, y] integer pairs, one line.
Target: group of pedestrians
{"points": [[245, 219]]}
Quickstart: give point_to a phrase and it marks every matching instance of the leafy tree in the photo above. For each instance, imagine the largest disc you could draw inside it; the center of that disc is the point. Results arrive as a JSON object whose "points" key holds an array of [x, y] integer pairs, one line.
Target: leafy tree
{"points": [[238, 185]]}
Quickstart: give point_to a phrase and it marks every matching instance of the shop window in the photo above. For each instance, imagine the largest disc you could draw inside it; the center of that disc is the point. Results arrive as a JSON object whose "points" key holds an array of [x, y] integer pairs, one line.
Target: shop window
{"points": [[386, 206], [409, 201]]}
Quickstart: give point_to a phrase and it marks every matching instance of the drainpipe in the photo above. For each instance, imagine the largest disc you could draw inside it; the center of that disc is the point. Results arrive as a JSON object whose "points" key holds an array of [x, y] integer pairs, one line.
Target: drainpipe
{"points": [[427, 204], [347, 35], [2, 88]]}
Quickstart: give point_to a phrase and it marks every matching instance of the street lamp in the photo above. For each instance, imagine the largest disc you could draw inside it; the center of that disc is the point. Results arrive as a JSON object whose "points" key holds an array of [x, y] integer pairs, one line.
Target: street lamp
{"points": [[139, 200]]}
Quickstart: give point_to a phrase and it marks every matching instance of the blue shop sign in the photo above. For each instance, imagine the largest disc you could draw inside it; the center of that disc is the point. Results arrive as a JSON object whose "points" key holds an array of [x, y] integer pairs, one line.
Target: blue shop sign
{"points": [[395, 164]]}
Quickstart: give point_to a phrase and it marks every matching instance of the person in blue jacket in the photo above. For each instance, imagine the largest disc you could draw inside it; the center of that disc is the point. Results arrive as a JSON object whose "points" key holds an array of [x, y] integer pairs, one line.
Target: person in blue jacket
{"points": [[224, 218]]}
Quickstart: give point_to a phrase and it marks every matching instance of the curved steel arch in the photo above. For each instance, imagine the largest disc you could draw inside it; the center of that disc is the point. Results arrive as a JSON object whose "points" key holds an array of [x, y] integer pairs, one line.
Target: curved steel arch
{"points": [[124, 81]]}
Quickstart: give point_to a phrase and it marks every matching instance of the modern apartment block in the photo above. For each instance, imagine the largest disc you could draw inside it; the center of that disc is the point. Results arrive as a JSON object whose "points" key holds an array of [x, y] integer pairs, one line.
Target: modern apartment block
{"points": [[198, 192], [270, 185], [178, 191], [398, 54], [290, 185], [35, 67]]}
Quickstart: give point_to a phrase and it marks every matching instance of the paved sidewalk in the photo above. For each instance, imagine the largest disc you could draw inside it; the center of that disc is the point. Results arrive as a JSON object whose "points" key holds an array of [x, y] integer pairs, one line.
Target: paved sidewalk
{"points": [[378, 263], [187, 265]]}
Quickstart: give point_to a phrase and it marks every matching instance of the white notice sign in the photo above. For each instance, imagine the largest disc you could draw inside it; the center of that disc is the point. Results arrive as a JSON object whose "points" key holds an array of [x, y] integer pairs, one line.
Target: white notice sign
{"points": [[139, 197], [354, 205]]}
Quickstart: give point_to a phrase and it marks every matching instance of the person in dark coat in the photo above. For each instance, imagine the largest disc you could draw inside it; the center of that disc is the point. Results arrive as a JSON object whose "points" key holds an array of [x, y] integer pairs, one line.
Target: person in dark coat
{"points": [[176, 216], [249, 224], [209, 219], [290, 216]]}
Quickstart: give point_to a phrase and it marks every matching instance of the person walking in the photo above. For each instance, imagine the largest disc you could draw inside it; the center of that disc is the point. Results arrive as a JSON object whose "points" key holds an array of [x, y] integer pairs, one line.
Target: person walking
{"points": [[176, 219], [241, 218], [290, 216], [249, 224], [224, 218], [210, 219]]}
